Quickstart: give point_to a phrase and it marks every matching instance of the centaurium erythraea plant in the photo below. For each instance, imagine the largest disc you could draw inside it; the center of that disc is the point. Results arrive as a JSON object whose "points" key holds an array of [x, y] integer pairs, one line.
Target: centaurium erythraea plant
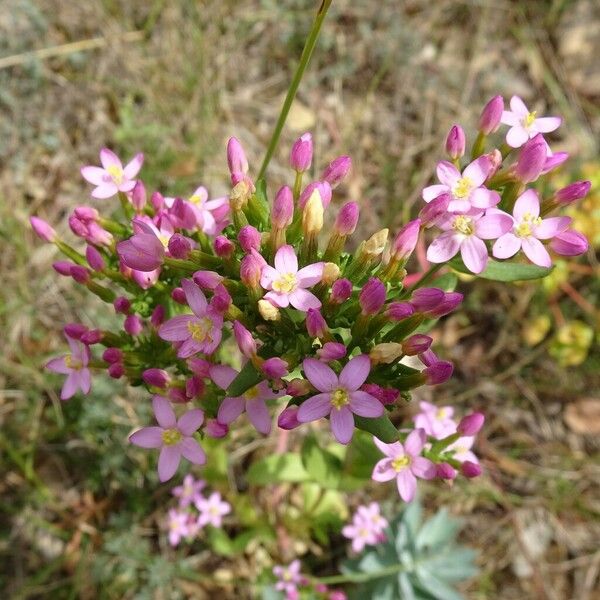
{"points": [[235, 304]]}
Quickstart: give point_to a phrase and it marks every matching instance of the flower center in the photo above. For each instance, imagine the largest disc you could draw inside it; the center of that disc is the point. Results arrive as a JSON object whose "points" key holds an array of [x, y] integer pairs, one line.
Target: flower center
{"points": [[200, 329], [462, 188], [529, 119], [286, 283], [164, 239], [441, 413], [72, 363], [524, 228], [463, 224], [195, 199], [116, 173], [170, 437], [400, 462], [339, 398], [287, 576], [251, 393]]}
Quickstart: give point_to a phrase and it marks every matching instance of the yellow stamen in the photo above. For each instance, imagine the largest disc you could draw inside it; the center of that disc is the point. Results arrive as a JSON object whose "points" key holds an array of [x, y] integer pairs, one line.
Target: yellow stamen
{"points": [[195, 199], [463, 224], [401, 462], [170, 437], [72, 363], [442, 413], [251, 393], [200, 330], [339, 398], [462, 188], [286, 283], [116, 173], [530, 118]]}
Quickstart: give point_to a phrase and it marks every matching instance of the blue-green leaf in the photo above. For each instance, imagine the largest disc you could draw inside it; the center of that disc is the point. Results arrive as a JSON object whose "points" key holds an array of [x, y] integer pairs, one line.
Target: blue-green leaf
{"points": [[504, 271]]}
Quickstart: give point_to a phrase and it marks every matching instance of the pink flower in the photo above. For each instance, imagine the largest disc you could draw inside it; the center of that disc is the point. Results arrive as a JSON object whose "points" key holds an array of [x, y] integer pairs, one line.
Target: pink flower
{"points": [[253, 401], [74, 366], [524, 124], [435, 421], [112, 177], [188, 491], [288, 578], [210, 215], [466, 232], [569, 243], [212, 510], [467, 189], [287, 285], [405, 463], [145, 250], [462, 450], [366, 528], [172, 436], [340, 397], [527, 231], [200, 332], [178, 526]]}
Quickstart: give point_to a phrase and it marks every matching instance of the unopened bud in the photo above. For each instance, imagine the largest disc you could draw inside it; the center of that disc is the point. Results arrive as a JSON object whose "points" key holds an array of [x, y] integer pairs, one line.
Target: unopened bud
{"points": [[249, 238], [267, 311], [489, 121], [455, 142], [312, 215], [42, 229], [283, 208], [331, 272], [301, 154], [347, 219], [94, 258], [331, 351], [386, 352], [337, 170], [471, 424]]}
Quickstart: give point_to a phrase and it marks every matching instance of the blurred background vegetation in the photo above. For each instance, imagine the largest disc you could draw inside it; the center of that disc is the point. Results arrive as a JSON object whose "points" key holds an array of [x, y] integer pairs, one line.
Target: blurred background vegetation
{"points": [[175, 79]]}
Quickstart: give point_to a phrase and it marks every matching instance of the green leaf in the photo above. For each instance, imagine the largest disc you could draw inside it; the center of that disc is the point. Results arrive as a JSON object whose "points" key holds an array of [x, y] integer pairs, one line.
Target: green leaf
{"points": [[247, 378], [436, 587], [381, 428], [278, 468], [406, 588], [361, 456], [455, 564], [257, 210], [322, 466], [446, 282], [504, 271], [438, 531]]}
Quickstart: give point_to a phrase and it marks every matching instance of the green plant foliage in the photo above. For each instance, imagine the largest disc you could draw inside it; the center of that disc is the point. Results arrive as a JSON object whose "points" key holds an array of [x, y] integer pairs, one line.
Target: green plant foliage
{"points": [[504, 271]]}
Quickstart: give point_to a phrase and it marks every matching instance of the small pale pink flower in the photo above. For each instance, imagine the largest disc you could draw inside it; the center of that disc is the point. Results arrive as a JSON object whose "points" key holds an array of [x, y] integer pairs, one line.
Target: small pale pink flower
{"points": [[404, 463], [75, 366], [466, 188], [212, 510], [462, 450], [466, 232], [287, 285], [527, 231], [524, 124], [288, 577], [145, 249], [436, 421], [178, 526], [366, 528], [199, 332], [211, 215], [339, 397], [189, 490], [173, 437], [112, 177]]}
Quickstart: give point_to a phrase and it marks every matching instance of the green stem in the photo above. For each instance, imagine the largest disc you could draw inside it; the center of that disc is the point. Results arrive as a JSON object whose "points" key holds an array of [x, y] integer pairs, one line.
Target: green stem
{"points": [[361, 577], [425, 279], [309, 46]]}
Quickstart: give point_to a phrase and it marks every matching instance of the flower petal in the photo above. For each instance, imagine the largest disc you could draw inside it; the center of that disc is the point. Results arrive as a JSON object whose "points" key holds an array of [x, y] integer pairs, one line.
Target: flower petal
{"points": [[259, 416], [481, 197], [303, 300], [365, 405], [70, 386], [320, 375], [383, 470], [444, 247], [356, 371], [277, 299], [478, 170], [492, 226], [176, 329], [548, 228], [407, 485], [342, 424], [415, 441], [58, 365], [447, 173], [163, 411], [132, 168], [85, 380], [310, 275], [518, 106], [510, 118], [536, 252], [189, 422], [230, 409], [168, 461], [314, 408], [195, 297], [267, 276], [222, 375], [147, 437], [106, 190], [527, 203], [474, 254], [516, 136], [390, 450], [190, 347], [547, 124], [422, 467], [109, 159], [192, 450], [94, 175], [286, 260], [432, 192], [506, 245]]}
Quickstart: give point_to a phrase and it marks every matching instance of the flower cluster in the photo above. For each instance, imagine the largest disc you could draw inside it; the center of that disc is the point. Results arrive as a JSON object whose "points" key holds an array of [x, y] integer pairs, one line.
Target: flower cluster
{"points": [[291, 582], [367, 527], [239, 306], [195, 511]]}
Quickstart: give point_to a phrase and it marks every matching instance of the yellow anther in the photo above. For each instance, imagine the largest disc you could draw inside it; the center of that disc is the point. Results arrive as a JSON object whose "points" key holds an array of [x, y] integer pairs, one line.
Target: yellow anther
{"points": [[339, 398]]}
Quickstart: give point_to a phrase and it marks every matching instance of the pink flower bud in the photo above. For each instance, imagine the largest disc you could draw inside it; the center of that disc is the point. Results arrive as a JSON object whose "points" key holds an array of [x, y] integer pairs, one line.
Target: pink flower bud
{"points": [[436, 209], [78, 227], [199, 366], [275, 368], [98, 235], [250, 270], [301, 154], [133, 325], [177, 395], [554, 161], [94, 258], [42, 229], [158, 315], [372, 296], [315, 323], [384, 395], [86, 213], [437, 371], [347, 218], [425, 299], [179, 246], [63, 267], [74, 330], [445, 471], [116, 370], [224, 248], [288, 419], [322, 187], [93, 336], [236, 158], [471, 424], [156, 377], [447, 305], [331, 351], [194, 387], [80, 274], [489, 121], [455, 142], [112, 355], [470, 469], [179, 295], [138, 196], [249, 238], [337, 170], [214, 429], [398, 311], [122, 305], [298, 387], [416, 344], [495, 161], [282, 212], [341, 290], [573, 192], [158, 201], [221, 300], [531, 160], [569, 243], [406, 240], [244, 339], [207, 280]]}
